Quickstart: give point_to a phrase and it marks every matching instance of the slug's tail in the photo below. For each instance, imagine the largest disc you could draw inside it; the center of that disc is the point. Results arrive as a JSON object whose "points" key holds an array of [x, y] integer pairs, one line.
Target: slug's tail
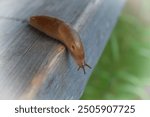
{"points": [[83, 67]]}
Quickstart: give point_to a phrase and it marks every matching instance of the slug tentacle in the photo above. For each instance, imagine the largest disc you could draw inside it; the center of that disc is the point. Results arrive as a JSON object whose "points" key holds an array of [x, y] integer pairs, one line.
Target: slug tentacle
{"points": [[88, 66], [83, 67]]}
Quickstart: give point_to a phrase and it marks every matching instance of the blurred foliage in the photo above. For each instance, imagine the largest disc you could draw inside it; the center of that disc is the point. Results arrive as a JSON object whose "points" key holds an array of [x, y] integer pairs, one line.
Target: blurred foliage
{"points": [[123, 71]]}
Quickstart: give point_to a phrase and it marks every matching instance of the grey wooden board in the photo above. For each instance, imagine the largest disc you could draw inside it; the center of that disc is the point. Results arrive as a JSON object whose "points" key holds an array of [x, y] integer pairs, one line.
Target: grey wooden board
{"points": [[35, 66]]}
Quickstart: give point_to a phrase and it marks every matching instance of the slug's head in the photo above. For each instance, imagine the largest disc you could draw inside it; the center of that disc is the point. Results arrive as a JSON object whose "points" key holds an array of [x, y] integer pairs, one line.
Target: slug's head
{"points": [[77, 51], [74, 44]]}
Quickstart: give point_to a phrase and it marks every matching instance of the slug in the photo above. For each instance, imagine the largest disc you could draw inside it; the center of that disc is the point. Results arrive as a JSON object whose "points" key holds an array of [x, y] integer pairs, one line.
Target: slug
{"points": [[60, 30]]}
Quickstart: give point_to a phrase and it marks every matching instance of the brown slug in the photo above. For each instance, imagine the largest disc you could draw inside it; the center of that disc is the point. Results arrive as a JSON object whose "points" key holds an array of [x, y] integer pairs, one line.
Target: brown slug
{"points": [[60, 30]]}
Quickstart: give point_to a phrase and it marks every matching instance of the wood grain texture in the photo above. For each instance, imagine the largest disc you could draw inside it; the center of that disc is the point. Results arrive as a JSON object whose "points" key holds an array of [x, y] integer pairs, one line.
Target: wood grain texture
{"points": [[35, 66]]}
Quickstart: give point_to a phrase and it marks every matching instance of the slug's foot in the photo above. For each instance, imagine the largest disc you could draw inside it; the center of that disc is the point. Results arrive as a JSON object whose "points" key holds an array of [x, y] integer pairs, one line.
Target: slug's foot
{"points": [[83, 67]]}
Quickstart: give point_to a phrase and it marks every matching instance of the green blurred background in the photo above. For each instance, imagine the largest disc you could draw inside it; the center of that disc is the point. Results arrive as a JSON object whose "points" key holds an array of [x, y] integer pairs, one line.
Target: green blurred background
{"points": [[123, 71]]}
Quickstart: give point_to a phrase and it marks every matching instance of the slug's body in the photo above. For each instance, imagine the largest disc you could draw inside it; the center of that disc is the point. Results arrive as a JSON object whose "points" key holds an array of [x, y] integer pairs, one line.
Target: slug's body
{"points": [[63, 32]]}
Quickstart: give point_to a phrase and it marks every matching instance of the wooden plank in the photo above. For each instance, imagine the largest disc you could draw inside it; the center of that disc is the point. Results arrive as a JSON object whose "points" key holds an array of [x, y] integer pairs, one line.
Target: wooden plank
{"points": [[35, 66]]}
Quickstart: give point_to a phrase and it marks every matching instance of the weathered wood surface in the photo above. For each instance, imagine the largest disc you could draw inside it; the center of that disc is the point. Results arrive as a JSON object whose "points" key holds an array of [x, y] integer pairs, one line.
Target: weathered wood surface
{"points": [[35, 66]]}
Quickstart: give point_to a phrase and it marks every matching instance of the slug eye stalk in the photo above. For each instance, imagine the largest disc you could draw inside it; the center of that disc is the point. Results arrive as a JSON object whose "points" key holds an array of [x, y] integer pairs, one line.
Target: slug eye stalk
{"points": [[83, 67]]}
